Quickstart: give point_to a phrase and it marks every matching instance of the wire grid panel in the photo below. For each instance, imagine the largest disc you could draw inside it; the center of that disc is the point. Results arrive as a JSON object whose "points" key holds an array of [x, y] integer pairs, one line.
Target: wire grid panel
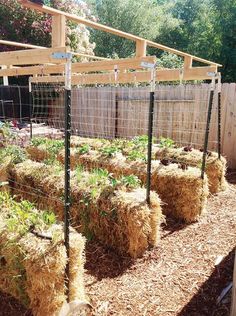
{"points": [[14, 103], [180, 113], [104, 112], [48, 110]]}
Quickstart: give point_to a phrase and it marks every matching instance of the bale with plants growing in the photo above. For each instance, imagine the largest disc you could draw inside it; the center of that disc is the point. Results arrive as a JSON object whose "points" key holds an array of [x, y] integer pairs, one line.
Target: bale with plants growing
{"points": [[215, 168], [114, 211], [33, 258], [183, 192], [9, 156]]}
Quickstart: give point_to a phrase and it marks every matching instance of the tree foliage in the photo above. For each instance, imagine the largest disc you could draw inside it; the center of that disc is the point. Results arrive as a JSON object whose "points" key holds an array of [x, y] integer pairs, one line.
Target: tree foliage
{"points": [[28, 26]]}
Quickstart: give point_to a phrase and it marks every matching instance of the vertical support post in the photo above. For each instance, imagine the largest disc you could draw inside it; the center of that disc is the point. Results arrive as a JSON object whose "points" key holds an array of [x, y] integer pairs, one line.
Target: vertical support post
{"points": [[150, 132], [30, 108], [58, 30], [67, 173], [141, 48], [207, 128], [5, 78], [219, 114], [116, 115]]}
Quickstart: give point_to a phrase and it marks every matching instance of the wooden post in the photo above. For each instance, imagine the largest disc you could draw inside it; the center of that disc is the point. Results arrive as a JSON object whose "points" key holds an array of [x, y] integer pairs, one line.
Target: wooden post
{"points": [[141, 48], [58, 31], [5, 78], [188, 60]]}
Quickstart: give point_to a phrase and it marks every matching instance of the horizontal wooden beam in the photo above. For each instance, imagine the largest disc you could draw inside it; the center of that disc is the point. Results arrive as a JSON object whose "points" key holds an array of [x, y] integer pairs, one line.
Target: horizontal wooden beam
{"points": [[197, 73], [108, 65], [23, 45], [32, 56], [101, 27], [17, 44]]}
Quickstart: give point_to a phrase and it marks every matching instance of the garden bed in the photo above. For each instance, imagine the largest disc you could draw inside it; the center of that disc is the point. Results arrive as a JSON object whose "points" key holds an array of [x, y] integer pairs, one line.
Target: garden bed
{"points": [[114, 211], [183, 192], [33, 258]]}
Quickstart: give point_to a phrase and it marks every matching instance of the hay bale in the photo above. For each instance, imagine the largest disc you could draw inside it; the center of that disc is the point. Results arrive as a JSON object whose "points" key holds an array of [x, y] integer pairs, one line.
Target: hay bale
{"points": [[32, 181], [32, 268], [215, 168], [77, 141], [4, 176], [37, 153], [183, 192], [117, 216]]}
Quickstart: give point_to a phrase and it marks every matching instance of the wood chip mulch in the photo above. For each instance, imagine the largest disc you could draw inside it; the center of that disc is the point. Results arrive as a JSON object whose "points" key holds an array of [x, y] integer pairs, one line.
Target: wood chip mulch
{"points": [[184, 276]]}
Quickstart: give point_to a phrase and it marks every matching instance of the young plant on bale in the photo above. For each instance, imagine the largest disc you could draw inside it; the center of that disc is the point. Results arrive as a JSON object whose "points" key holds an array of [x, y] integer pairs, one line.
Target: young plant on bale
{"points": [[33, 258]]}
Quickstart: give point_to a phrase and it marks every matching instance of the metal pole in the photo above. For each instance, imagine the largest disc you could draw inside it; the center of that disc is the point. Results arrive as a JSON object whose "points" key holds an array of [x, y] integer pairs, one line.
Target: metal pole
{"points": [[30, 108], [219, 115], [67, 173], [116, 115], [150, 132], [207, 128]]}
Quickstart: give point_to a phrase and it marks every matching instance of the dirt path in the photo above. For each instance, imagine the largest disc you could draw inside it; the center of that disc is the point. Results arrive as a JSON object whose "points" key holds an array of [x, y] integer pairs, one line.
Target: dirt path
{"points": [[179, 278]]}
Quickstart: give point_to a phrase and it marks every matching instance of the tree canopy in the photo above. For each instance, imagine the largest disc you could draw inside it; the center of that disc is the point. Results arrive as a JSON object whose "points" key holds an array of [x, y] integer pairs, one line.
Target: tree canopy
{"points": [[201, 27]]}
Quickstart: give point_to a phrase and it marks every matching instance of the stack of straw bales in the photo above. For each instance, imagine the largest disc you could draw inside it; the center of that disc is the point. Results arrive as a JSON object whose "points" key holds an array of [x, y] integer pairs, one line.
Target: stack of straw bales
{"points": [[215, 168], [183, 192], [118, 217], [32, 268]]}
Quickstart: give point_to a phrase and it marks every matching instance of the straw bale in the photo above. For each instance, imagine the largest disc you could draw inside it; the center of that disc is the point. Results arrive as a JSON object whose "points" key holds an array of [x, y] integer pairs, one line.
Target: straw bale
{"points": [[38, 153], [215, 168], [183, 192], [32, 269], [119, 219], [4, 175], [77, 141]]}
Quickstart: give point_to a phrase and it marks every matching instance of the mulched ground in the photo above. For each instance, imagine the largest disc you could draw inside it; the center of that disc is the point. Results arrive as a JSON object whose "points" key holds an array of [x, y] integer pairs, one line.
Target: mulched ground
{"points": [[179, 278]]}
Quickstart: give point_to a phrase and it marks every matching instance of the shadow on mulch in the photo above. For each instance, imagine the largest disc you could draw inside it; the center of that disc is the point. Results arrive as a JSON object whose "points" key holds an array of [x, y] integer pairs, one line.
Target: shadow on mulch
{"points": [[231, 176], [172, 226], [105, 263], [9, 306], [204, 302]]}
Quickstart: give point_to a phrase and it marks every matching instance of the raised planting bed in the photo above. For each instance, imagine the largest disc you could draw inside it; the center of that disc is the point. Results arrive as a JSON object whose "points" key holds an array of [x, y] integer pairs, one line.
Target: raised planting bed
{"points": [[9, 156], [33, 258], [215, 168], [166, 149], [114, 211], [183, 192], [181, 188]]}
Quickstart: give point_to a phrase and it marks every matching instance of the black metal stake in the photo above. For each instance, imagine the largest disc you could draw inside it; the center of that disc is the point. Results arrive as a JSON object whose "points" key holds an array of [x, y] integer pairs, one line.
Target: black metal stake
{"points": [[31, 112], [219, 124], [116, 115], [207, 133], [67, 186], [149, 156]]}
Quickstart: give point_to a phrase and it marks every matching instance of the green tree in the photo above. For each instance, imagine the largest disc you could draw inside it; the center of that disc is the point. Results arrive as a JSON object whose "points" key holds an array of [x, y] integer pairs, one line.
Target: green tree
{"points": [[145, 18]]}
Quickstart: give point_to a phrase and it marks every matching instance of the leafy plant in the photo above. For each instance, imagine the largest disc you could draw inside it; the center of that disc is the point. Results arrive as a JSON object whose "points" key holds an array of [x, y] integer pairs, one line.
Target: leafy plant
{"points": [[130, 181], [84, 149], [16, 153], [109, 151], [166, 142], [136, 154]]}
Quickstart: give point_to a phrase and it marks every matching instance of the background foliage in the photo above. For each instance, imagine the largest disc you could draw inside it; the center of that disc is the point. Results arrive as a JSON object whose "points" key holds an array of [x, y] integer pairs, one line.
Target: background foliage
{"points": [[206, 28]]}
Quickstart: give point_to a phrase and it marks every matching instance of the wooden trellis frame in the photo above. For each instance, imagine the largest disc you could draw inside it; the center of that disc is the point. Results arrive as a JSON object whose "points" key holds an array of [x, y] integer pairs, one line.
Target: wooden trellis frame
{"points": [[40, 63]]}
